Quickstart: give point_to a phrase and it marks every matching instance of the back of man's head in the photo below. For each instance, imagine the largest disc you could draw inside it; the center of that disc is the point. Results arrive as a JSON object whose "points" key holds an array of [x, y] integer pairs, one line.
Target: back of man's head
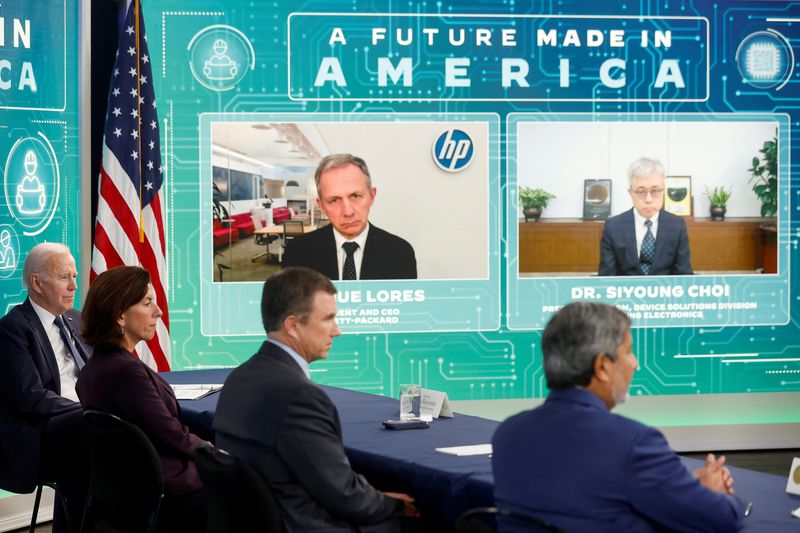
{"points": [[291, 292], [38, 258], [575, 336]]}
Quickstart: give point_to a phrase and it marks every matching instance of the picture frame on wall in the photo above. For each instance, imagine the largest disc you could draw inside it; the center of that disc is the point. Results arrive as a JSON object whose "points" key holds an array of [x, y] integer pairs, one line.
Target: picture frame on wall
{"points": [[596, 199], [678, 195]]}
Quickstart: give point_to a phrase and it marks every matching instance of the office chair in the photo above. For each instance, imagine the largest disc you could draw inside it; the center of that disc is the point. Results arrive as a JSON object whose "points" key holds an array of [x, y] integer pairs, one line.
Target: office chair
{"points": [[126, 483], [37, 500], [482, 519], [292, 229], [239, 498]]}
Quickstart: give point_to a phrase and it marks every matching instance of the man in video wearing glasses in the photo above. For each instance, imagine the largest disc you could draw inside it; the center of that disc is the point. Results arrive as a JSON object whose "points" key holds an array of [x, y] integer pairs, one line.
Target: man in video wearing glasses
{"points": [[645, 240]]}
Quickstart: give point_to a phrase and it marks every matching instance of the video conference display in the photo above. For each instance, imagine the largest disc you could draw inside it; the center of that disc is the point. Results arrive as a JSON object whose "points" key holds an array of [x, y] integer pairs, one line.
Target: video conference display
{"points": [[499, 141]]}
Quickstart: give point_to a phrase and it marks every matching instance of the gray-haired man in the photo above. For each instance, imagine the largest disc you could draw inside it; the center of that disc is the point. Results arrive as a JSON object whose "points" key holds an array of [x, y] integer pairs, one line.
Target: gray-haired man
{"points": [[645, 240], [42, 355], [350, 248]]}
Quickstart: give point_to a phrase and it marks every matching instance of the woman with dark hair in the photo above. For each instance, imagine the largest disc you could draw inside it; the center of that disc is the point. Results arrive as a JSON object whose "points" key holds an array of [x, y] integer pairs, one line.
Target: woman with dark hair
{"points": [[120, 311]]}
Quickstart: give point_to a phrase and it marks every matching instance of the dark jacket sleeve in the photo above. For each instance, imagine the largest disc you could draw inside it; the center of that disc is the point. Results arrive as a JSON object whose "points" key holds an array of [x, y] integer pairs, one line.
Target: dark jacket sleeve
{"points": [[310, 444], [608, 258], [660, 484], [683, 256], [141, 404], [20, 382]]}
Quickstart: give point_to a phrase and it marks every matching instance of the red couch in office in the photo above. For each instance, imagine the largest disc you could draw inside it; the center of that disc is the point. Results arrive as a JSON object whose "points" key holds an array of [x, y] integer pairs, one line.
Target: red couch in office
{"points": [[224, 234], [243, 223], [280, 215]]}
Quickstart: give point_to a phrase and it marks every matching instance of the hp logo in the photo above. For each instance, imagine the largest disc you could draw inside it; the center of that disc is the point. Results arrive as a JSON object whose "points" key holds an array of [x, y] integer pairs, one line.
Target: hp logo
{"points": [[452, 150]]}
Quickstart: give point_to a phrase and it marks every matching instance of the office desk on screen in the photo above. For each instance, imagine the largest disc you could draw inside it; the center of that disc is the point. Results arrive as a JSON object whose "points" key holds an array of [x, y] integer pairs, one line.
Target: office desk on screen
{"points": [[452, 484]]}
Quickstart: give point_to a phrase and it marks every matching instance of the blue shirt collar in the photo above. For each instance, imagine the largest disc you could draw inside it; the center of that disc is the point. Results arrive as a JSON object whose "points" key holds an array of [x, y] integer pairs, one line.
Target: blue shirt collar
{"points": [[302, 363]]}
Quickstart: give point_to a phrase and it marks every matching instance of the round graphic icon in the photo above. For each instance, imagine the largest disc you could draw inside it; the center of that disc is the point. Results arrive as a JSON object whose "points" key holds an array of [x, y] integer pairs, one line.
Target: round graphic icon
{"points": [[32, 183], [452, 150], [9, 251], [220, 56], [765, 60]]}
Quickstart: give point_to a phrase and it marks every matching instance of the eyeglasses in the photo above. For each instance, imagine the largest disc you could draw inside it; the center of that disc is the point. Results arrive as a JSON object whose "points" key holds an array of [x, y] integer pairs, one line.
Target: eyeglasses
{"points": [[655, 194]]}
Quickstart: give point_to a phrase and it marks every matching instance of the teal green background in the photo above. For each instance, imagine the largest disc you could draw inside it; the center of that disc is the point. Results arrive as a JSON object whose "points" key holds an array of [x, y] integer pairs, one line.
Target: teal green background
{"points": [[54, 57], [497, 363]]}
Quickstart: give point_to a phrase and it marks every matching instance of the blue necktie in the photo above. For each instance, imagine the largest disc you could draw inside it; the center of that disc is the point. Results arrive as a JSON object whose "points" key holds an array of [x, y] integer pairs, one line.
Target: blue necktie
{"points": [[69, 342], [349, 270], [648, 249]]}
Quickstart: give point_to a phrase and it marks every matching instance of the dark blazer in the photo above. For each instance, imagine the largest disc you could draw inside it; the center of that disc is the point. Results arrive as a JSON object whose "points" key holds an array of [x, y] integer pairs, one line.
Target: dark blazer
{"points": [[272, 416], [118, 383], [31, 393], [618, 255], [576, 465], [386, 256]]}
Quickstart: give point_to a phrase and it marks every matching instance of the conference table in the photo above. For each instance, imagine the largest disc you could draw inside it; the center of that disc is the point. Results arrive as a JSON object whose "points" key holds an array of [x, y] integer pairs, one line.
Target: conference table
{"points": [[447, 485]]}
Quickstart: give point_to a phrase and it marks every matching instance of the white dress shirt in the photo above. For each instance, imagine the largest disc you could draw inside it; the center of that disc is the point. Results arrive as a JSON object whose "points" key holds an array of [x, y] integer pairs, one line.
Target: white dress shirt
{"points": [[358, 255], [641, 229], [67, 369]]}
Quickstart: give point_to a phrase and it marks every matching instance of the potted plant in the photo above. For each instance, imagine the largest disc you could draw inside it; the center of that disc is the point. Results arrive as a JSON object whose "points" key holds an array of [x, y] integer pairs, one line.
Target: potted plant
{"points": [[533, 201], [765, 177], [718, 200], [765, 184]]}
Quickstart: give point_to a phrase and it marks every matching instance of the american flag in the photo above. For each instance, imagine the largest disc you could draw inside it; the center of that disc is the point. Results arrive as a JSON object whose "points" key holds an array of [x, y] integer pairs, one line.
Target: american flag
{"points": [[130, 229]]}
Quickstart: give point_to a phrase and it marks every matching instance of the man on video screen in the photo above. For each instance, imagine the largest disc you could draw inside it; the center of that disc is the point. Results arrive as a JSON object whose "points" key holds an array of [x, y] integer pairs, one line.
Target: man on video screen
{"points": [[645, 240], [350, 247]]}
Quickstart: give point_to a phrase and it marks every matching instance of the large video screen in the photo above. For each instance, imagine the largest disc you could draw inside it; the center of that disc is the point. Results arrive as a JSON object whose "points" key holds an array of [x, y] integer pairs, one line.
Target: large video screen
{"points": [[499, 139]]}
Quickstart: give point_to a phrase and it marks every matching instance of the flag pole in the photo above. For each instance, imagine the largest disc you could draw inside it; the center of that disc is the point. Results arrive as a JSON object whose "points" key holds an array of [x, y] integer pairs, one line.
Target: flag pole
{"points": [[139, 119]]}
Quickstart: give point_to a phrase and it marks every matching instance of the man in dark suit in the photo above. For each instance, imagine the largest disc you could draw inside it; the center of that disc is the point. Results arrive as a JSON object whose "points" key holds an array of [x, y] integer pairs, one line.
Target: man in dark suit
{"points": [[645, 240], [41, 356], [576, 466], [272, 415], [350, 248]]}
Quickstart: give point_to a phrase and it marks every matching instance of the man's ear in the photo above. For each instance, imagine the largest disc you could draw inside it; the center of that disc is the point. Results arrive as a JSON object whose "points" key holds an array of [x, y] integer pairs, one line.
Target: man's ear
{"points": [[601, 368], [36, 283], [290, 325]]}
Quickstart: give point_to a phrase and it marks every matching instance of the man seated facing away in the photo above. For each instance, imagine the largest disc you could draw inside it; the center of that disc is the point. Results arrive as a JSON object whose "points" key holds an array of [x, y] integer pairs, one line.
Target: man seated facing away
{"points": [[575, 465], [645, 240], [39, 364], [273, 416]]}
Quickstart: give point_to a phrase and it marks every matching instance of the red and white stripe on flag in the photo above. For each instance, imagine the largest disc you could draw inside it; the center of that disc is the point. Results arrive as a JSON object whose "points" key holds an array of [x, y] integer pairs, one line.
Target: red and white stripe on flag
{"points": [[129, 229]]}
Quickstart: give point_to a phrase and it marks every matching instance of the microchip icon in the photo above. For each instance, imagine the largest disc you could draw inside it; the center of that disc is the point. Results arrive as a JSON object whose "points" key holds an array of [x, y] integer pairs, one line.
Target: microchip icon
{"points": [[763, 61]]}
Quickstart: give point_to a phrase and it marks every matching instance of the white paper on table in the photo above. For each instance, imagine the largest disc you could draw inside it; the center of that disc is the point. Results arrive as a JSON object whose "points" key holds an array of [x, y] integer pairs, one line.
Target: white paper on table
{"points": [[434, 403], [194, 391], [464, 451]]}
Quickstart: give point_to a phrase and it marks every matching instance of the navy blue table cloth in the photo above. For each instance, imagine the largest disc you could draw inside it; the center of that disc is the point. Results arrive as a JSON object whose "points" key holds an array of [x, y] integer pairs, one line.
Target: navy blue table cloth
{"points": [[451, 484]]}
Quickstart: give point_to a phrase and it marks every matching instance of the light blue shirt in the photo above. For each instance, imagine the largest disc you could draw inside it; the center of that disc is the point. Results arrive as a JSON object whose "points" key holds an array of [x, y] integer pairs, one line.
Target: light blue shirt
{"points": [[296, 356]]}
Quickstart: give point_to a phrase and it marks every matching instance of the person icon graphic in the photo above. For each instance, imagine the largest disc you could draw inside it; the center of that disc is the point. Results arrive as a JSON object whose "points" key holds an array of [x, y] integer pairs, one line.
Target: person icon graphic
{"points": [[8, 258], [30, 197], [220, 67]]}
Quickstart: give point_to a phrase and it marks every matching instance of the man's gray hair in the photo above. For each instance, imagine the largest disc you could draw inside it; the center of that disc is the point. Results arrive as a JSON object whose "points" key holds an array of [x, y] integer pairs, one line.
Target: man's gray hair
{"points": [[644, 166], [36, 262], [575, 336], [332, 161]]}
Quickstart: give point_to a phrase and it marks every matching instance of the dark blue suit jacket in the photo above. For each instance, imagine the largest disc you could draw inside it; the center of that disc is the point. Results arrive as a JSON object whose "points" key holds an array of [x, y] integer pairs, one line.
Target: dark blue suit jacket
{"points": [[618, 255], [271, 415], [386, 256], [31, 393], [576, 465]]}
